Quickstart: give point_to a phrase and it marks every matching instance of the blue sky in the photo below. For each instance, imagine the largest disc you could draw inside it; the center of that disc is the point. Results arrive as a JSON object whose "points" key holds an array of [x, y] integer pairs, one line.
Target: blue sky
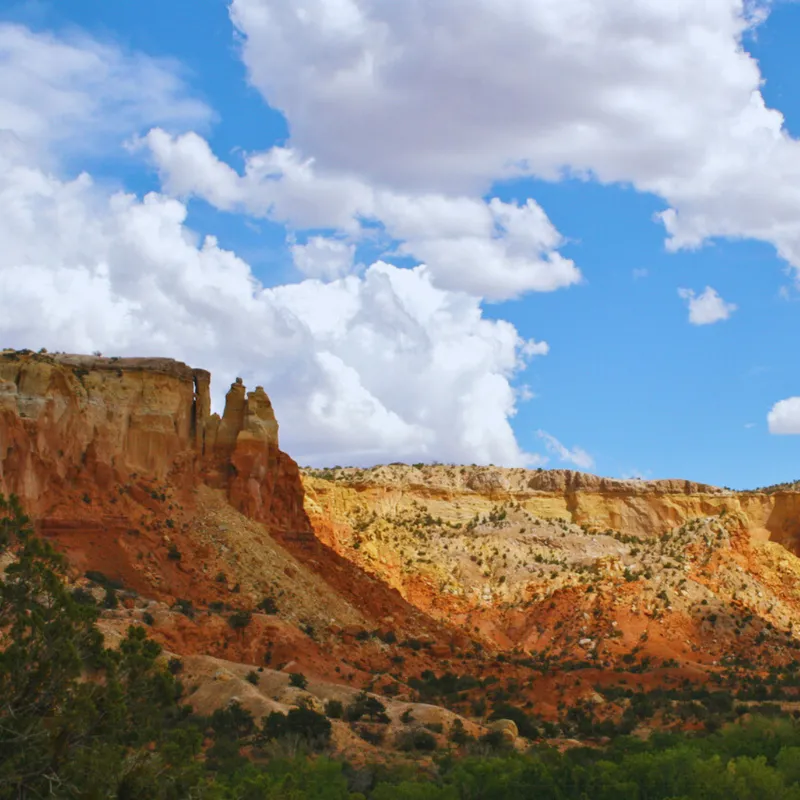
{"points": [[629, 385]]}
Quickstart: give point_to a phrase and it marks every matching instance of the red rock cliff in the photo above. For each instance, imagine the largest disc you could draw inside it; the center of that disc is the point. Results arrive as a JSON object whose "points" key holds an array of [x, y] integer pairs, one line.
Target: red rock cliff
{"points": [[75, 428]]}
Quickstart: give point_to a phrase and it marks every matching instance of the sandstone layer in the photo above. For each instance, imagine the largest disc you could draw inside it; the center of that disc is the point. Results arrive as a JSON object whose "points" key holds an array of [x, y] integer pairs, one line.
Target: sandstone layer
{"points": [[633, 507]]}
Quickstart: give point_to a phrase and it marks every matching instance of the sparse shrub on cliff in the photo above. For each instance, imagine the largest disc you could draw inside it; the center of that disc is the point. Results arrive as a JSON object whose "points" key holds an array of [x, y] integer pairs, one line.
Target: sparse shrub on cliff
{"points": [[234, 721], [268, 605], [95, 576], [252, 677], [298, 680], [308, 725], [175, 665], [83, 597], [240, 619], [419, 740], [111, 600], [365, 705], [458, 734], [334, 709], [185, 607], [173, 554], [371, 734]]}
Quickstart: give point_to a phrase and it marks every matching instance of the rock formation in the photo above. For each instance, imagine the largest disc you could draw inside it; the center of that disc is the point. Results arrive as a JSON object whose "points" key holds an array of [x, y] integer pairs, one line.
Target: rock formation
{"points": [[80, 426]]}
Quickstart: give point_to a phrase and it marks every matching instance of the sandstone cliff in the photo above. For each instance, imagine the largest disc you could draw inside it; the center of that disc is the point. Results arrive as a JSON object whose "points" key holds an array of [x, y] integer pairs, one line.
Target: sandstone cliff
{"points": [[77, 427], [632, 507]]}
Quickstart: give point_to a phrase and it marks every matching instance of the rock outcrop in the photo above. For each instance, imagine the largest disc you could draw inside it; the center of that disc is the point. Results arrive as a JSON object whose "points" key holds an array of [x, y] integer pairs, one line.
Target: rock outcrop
{"points": [[74, 427]]}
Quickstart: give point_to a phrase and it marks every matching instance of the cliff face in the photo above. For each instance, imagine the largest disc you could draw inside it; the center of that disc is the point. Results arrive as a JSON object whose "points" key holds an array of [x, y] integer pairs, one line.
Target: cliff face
{"points": [[517, 557], [76, 427], [632, 507]]}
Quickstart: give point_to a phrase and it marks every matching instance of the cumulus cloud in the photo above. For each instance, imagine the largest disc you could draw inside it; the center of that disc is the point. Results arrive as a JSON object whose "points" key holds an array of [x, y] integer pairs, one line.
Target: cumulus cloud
{"points": [[450, 96], [784, 418], [361, 369], [494, 250], [707, 307], [577, 455], [366, 367]]}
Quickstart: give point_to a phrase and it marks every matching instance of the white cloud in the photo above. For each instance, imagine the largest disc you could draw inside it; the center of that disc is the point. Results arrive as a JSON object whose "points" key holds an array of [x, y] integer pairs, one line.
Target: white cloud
{"points": [[494, 250], [324, 258], [80, 95], [361, 368], [706, 308], [577, 455], [784, 418], [449, 96]]}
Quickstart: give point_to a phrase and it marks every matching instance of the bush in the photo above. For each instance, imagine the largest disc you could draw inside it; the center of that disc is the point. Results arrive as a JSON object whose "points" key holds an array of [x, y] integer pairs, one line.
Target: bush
{"points": [[334, 709], [458, 734], [298, 680], [111, 600], [374, 736], [185, 607], [175, 665], [268, 605], [309, 725], [234, 722], [240, 619], [366, 706], [524, 723], [419, 739], [83, 597], [173, 554], [95, 576], [252, 677]]}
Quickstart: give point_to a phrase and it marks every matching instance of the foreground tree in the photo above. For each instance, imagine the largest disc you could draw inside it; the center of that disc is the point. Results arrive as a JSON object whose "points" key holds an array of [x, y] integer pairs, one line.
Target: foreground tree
{"points": [[79, 720]]}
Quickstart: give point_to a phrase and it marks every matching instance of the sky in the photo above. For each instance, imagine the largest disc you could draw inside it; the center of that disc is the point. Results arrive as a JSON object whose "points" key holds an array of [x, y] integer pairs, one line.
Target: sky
{"points": [[556, 233]]}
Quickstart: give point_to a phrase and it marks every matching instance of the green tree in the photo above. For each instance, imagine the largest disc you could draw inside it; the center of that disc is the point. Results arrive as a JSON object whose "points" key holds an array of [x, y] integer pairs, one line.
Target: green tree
{"points": [[78, 720]]}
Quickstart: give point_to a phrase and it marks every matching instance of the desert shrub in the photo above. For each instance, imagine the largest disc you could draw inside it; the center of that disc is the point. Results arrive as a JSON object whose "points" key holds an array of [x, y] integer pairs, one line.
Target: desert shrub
{"points": [[334, 709], [240, 619], [175, 665], [268, 605], [304, 723], [418, 739], [83, 597], [298, 680], [111, 600], [365, 705]]}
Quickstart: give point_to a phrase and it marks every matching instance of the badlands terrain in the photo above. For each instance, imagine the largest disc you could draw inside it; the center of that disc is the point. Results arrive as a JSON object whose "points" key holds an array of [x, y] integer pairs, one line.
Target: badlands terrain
{"points": [[545, 604]]}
